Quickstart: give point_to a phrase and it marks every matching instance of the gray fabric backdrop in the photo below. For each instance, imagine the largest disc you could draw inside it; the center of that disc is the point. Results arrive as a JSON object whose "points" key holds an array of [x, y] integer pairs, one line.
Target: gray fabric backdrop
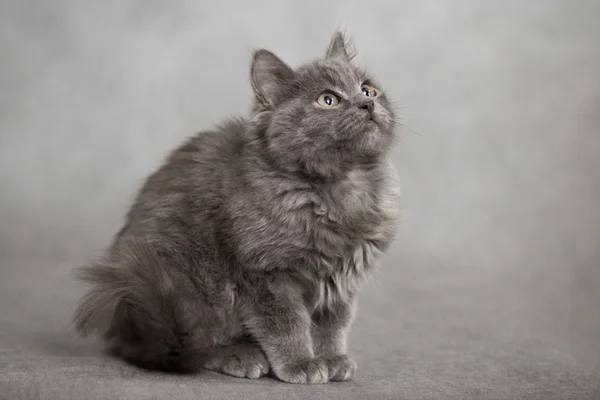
{"points": [[493, 287]]}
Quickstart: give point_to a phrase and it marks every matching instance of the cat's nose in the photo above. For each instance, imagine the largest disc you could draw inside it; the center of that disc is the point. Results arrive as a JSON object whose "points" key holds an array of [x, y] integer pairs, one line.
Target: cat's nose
{"points": [[367, 105]]}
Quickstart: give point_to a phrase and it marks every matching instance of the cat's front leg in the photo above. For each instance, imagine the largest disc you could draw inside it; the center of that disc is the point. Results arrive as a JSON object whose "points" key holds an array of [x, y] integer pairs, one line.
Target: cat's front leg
{"points": [[330, 333], [278, 319]]}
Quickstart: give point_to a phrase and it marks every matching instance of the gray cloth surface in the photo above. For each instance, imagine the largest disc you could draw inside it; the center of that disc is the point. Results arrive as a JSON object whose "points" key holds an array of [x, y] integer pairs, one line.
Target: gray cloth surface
{"points": [[429, 332], [492, 290]]}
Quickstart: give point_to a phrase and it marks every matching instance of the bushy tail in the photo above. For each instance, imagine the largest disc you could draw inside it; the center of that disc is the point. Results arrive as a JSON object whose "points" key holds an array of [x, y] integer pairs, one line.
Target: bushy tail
{"points": [[144, 310]]}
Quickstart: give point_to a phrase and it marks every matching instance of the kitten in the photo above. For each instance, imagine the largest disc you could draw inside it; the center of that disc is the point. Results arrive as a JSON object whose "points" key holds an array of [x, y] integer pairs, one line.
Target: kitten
{"points": [[244, 252]]}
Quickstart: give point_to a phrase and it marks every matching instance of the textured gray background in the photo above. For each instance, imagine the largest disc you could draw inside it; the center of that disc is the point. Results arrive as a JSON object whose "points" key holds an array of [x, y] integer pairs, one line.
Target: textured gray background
{"points": [[493, 287]]}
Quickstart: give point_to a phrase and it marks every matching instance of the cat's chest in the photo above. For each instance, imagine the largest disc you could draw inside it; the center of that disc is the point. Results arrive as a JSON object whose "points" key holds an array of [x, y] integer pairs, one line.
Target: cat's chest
{"points": [[325, 229], [336, 279]]}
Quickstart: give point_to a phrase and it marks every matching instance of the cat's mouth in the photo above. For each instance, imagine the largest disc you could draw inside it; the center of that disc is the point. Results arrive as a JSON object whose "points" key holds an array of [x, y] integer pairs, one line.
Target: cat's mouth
{"points": [[371, 119], [377, 120]]}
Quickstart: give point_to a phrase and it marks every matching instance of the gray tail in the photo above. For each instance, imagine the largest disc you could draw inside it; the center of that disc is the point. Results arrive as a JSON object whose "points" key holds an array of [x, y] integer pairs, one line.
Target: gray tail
{"points": [[143, 309]]}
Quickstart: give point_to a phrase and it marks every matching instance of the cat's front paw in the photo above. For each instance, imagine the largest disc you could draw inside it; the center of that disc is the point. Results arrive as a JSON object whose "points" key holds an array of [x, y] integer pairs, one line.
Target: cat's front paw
{"points": [[341, 367], [312, 370]]}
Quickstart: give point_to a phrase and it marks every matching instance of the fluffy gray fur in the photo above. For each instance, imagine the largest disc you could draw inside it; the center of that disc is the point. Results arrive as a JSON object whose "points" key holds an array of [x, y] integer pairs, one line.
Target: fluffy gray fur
{"points": [[244, 252]]}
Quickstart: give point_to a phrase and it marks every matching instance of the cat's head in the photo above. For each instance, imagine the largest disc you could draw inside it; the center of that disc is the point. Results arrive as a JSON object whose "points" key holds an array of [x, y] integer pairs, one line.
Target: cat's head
{"points": [[324, 116]]}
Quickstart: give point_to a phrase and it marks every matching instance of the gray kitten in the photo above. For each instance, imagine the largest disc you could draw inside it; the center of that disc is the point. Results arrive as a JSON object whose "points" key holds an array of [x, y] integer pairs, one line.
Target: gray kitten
{"points": [[244, 252]]}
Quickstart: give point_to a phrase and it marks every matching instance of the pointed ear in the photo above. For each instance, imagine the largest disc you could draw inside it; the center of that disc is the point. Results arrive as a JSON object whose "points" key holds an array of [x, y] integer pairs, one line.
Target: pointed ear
{"points": [[339, 47], [271, 78]]}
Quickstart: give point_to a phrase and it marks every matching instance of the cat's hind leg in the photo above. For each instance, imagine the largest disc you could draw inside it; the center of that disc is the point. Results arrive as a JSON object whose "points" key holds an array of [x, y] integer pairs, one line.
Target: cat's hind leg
{"points": [[242, 358], [143, 306]]}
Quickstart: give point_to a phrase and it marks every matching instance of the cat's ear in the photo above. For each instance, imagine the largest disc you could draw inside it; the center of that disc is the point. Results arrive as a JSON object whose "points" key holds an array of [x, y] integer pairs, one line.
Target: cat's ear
{"points": [[271, 78], [339, 47]]}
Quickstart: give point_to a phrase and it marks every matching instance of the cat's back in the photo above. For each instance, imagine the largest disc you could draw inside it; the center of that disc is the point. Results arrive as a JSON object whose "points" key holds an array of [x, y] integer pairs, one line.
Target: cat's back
{"points": [[192, 182], [208, 150], [205, 158]]}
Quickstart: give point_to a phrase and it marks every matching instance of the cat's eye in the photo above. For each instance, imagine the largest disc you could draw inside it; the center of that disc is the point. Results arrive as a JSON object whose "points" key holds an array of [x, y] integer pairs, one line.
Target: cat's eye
{"points": [[368, 91], [328, 100]]}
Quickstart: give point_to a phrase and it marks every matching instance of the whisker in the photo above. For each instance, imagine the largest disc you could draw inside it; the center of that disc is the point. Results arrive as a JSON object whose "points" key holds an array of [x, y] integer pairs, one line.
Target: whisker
{"points": [[399, 124], [412, 131]]}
